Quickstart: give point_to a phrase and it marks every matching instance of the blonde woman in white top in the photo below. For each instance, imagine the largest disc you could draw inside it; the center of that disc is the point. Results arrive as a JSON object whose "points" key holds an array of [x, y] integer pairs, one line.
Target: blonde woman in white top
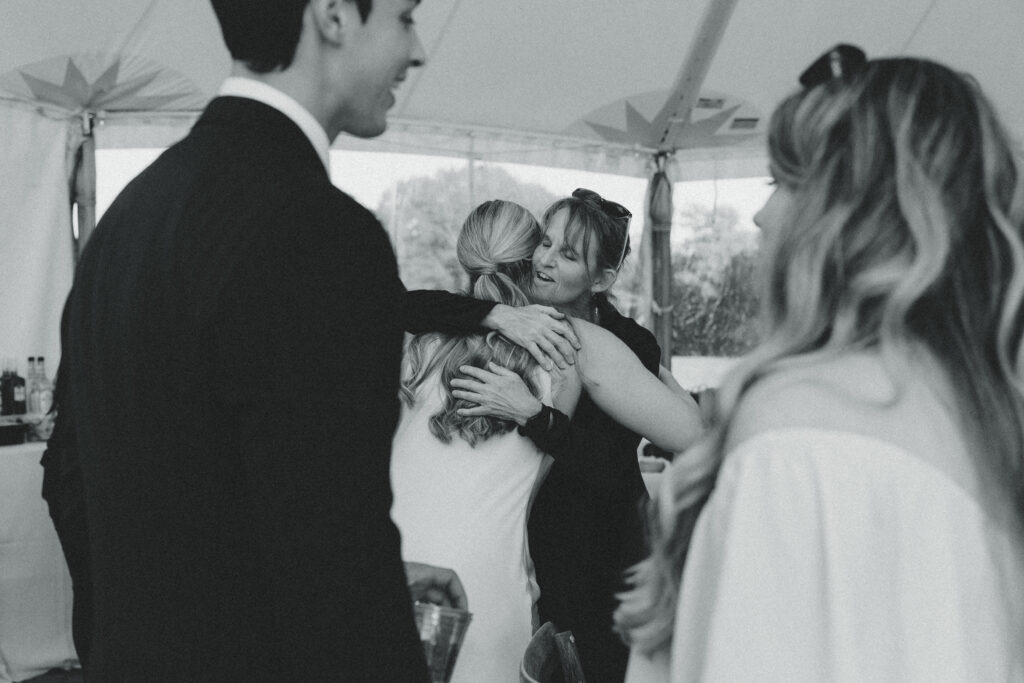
{"points": [[858, 514]]}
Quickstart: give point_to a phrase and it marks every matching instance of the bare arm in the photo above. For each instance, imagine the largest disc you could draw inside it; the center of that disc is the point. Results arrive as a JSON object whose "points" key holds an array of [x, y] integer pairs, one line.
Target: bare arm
{"points": [[705, 398], [613, 377], [669, 380], [621, 386]]}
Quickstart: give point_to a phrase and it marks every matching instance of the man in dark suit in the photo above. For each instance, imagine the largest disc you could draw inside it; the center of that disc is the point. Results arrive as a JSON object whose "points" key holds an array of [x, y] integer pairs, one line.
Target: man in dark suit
{"points": [[229, 378]]}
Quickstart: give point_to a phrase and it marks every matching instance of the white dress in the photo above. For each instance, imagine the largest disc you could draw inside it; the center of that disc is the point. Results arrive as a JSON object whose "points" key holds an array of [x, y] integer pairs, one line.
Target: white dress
{"points": [[466, 508], [825, 555]]}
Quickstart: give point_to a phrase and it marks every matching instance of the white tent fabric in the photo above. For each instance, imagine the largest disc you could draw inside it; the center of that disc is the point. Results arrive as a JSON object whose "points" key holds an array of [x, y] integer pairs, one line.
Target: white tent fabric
{"points": [[567, 84], [35, 588], [537, 84], [36, 257], [600, 86]]}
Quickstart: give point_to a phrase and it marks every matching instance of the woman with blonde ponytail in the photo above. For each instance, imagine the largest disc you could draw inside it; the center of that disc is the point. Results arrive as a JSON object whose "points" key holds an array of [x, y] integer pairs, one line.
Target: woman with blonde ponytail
{"points": [[858, 513], [462, 486]]}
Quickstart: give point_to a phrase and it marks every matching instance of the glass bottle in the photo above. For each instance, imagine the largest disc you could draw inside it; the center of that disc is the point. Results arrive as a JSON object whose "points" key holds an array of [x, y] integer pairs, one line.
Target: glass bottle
{"points": [[32, 387], [45, 386], [12, 388]]}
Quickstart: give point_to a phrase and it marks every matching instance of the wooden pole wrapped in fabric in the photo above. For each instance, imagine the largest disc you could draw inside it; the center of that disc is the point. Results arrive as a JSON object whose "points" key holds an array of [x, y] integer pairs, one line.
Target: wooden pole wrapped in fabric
{"points": [[84, 187], [668, 127], [659, 216]]}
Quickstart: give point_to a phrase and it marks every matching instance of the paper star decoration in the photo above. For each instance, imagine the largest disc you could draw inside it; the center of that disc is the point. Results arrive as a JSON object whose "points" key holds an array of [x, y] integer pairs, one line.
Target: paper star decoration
{"points": [[639, 130], [104, 93]]}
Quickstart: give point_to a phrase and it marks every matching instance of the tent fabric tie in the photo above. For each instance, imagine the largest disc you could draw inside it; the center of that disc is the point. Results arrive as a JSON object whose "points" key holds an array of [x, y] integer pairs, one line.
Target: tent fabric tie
{"points": [[661, 310]]}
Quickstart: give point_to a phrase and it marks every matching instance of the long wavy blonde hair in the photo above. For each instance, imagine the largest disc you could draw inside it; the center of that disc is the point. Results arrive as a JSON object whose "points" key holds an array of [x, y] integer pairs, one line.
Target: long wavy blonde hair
{"points": [[905, 231], [494, 247]]}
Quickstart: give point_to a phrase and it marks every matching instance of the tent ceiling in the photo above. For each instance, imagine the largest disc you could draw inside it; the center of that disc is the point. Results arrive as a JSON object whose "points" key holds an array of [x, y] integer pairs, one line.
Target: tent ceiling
{"points": [[565, 84]]}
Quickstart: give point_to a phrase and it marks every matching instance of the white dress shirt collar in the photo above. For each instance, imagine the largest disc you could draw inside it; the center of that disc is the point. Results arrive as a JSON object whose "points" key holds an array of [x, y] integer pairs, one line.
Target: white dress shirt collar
{"points": [[238, 86]]}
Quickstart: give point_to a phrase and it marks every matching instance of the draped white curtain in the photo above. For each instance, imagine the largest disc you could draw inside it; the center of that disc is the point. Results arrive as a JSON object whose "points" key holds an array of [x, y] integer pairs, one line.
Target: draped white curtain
{"points": [[36, 243], [35, 588]]}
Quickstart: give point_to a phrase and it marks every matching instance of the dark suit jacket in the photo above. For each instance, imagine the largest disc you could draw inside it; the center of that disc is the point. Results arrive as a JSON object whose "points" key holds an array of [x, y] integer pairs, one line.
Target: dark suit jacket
{"points": [[232, 347]]}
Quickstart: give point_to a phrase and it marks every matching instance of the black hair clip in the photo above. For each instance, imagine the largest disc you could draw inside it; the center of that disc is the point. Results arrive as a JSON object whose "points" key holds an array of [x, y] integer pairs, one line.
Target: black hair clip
{"points": [[839, 62]]}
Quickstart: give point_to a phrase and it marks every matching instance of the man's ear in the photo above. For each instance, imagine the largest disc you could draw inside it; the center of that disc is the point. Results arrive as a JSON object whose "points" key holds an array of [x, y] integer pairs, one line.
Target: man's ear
{"points": [[604, 281], [333, 18]]}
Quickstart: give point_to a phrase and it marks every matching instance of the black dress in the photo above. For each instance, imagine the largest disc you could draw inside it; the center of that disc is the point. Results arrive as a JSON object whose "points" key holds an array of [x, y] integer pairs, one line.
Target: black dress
{"points": [[585, 527]]}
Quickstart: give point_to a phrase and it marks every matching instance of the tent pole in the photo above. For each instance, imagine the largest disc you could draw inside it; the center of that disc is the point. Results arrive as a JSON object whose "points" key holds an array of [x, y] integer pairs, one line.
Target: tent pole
{"points": [[674, 115], [84, 199], [668, 123], [659, 213]]}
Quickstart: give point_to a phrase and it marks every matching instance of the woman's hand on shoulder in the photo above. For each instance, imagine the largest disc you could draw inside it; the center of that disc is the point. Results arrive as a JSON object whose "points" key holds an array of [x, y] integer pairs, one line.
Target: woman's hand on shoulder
{"points": [[542, 330], [497, 392]]}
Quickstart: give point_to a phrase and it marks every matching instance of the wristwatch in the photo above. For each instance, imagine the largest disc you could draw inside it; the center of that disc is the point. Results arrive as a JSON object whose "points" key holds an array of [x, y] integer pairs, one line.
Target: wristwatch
{"points": [[539, 424]]}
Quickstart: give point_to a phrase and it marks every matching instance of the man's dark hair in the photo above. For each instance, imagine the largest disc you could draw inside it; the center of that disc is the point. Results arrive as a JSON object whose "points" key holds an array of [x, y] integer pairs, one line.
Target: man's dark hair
{"points": [[265, 33]]}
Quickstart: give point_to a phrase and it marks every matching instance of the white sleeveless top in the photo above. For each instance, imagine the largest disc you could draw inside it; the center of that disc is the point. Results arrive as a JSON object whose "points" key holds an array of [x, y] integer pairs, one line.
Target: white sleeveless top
{"points": [[826, 555], [466, 508]]}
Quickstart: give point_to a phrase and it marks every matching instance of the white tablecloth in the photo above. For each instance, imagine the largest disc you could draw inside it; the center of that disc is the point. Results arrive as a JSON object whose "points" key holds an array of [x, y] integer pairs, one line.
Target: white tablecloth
{"points": [[35, 588]]}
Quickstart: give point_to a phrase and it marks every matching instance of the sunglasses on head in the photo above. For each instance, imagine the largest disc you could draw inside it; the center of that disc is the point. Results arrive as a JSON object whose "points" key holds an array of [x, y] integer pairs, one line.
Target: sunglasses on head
{"points": [[613, 210], [610, 208], [840, 62]]}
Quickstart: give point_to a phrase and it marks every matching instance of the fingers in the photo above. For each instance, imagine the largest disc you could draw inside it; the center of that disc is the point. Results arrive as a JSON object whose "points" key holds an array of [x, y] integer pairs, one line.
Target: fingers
{"points": [[468, 389], [438, 585], [549, 310], [479, 411], [554, 353], [570, 336], [481, 374], [563, 347], [561, 329], [435, 596], [456, 592], [470, 396], [539, 355], [499, 370], [472, 371], [448, 591]]}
